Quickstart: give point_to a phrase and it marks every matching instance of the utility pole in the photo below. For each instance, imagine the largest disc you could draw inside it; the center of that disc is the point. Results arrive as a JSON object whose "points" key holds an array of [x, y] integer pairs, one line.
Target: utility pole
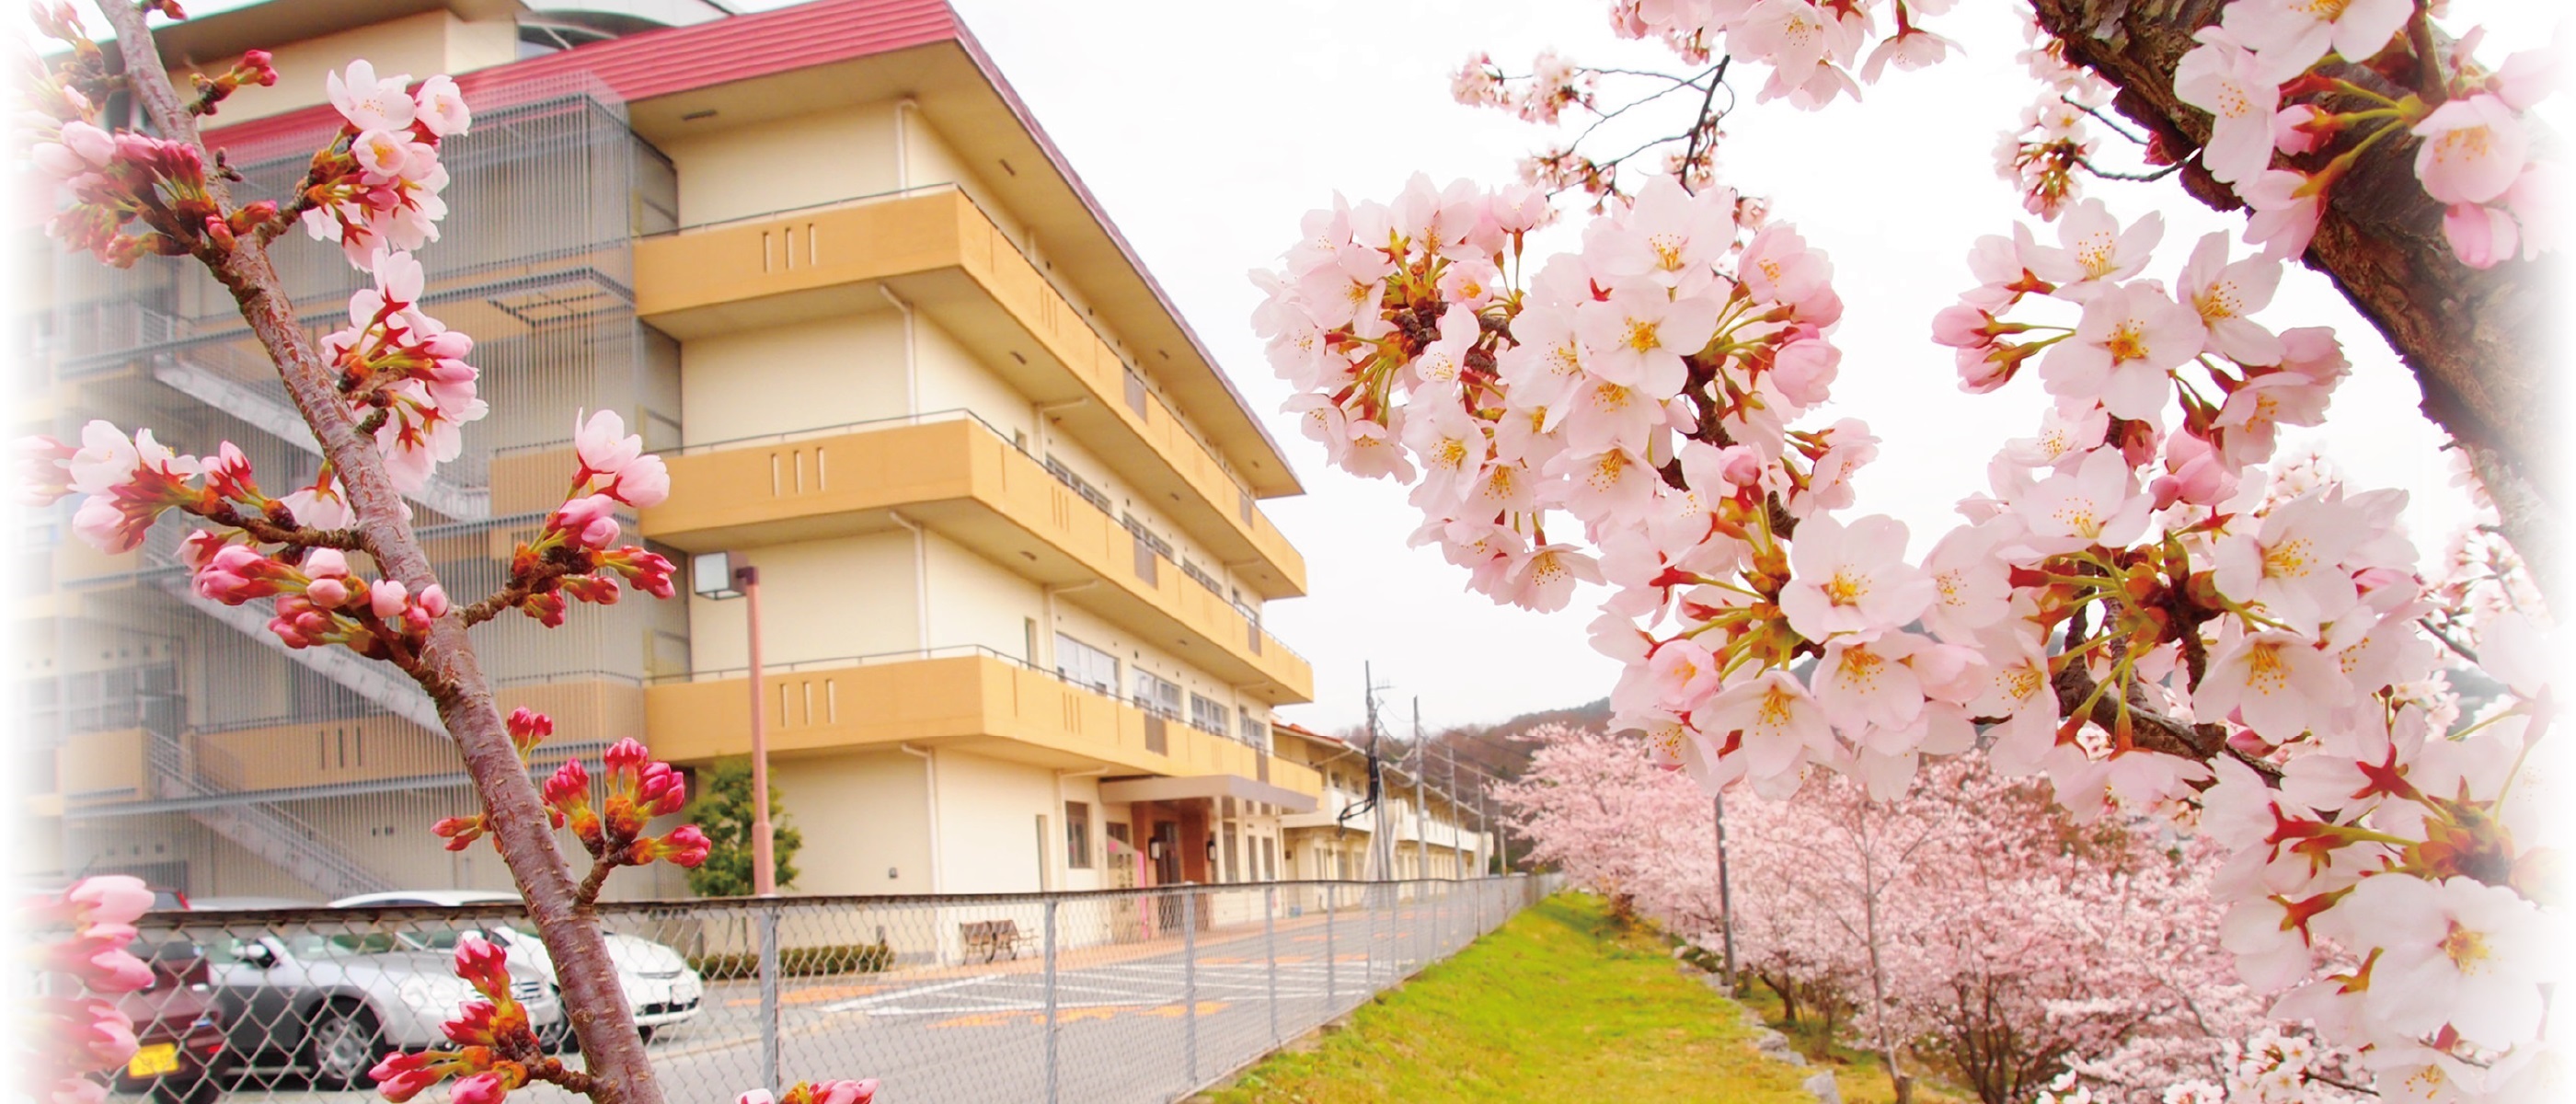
{"points": [[1421, 797], [1381, 850], [1457, 818]]}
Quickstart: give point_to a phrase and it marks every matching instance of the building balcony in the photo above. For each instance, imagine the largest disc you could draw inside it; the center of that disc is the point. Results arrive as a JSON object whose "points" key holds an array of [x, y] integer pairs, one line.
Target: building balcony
{"points": [[1328, 812], [959, 478], [968, 699], [939, 252], [102, 772]]}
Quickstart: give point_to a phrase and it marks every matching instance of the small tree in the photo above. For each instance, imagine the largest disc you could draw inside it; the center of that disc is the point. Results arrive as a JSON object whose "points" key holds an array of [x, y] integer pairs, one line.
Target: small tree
{"points": [[723, 809]]}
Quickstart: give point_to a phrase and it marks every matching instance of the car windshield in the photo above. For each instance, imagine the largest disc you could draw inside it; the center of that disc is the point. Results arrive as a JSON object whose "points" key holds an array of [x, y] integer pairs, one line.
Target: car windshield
{"points": [[312, 946], [443, 937]]}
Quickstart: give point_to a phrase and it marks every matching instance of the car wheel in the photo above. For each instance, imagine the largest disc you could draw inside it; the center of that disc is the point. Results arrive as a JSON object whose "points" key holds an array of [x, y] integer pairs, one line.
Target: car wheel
{"points": [[342, 1045]]}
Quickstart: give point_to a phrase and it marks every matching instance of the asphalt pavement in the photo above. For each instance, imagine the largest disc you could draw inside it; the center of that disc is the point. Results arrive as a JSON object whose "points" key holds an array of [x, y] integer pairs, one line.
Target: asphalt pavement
{"points": [[1136, 1022]]}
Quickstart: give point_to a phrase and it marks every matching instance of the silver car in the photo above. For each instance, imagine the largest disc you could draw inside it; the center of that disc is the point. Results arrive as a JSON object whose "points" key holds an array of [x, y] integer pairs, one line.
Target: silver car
{"points": [[334, 1004], [661, 988]]}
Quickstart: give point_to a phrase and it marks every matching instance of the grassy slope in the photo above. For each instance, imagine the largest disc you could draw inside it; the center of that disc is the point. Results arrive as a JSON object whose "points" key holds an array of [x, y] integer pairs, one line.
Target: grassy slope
{"points": [[1555, 1006]]}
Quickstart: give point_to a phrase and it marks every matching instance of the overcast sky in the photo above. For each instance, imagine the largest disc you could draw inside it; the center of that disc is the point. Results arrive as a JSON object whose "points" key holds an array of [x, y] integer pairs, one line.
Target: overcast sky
{"points": [[1208, 129]]}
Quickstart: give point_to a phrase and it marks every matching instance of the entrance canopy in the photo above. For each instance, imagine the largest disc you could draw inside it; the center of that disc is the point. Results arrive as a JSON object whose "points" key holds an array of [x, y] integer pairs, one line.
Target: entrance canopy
{"points": [[1207, 787]]}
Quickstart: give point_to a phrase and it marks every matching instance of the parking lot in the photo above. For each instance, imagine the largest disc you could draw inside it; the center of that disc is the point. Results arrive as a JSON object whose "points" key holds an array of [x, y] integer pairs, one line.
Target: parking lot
{"points": [[1137, 1020]]}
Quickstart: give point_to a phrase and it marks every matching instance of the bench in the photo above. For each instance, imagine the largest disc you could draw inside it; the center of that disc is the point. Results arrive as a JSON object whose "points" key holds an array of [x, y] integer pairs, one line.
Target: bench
{"points": [[992, 937]]}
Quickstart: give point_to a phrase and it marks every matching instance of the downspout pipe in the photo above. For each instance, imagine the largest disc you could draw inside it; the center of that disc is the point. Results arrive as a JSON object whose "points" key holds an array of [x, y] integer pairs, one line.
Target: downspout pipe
{"points": [[930, 794], [911, 351], [920, 582]]}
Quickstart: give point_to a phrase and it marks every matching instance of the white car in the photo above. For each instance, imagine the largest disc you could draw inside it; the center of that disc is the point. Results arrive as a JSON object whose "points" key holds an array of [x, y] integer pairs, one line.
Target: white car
{"points": [[660, 988]]}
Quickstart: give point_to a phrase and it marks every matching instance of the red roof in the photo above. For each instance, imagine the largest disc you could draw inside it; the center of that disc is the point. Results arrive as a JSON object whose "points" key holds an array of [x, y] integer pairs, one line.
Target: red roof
{"points": [[678, 59]]}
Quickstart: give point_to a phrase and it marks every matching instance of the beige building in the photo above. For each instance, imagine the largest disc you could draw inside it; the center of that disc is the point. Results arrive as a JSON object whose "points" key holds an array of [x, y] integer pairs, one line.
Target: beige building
{"points": [[1005, 507], [1433, 827]]}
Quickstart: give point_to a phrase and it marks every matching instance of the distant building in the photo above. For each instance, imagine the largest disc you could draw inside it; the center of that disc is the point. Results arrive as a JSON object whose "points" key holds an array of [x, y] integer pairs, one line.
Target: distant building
{"points": [[1004, 505], [1435, 827]]}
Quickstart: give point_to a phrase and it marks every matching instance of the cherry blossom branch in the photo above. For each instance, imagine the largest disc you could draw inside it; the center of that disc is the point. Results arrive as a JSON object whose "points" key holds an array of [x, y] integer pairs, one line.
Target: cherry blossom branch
{"points": [[619, 1068]]}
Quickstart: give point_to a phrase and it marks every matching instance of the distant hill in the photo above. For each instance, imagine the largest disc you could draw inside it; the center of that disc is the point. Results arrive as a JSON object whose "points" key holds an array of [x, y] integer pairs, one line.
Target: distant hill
{"points": [[1499, 749]]}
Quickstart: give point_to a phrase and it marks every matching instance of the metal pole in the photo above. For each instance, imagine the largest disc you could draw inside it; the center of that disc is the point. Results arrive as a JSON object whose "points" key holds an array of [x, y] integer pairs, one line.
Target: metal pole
{"points": [[1190, 986], [1050, 1004], [1331, 890], [1457, 835], [769, 998], [1725, 903], [764, 867], [1270, 952]]}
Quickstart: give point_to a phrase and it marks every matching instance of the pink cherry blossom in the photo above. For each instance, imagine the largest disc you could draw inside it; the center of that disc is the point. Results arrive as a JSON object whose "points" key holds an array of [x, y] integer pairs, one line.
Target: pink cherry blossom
{"points": [[2453, 952], [1769, 719], [2293, 34], [2277, 681], [2224, 294], [2473, 149], [2127, 341], [369, 103], [2096, 503], [2287, 205], [1851, 579], [2241, 93], [2095, 253]]}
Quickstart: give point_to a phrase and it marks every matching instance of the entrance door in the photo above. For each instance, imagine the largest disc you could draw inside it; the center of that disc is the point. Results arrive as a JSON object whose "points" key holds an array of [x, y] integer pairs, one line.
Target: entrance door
{"points": [[1167, 871]]}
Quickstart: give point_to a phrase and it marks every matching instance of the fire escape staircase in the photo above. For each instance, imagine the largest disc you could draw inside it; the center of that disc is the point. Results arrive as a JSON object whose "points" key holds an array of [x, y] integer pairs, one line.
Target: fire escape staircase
{"points": [[283, 839]]}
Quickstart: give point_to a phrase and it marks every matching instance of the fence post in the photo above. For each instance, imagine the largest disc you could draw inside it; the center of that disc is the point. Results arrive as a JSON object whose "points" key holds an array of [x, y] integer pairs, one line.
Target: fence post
{"points": [[1050, 1003], [1270, 953], [769, 998], [1190, 987], [1331, 999]]}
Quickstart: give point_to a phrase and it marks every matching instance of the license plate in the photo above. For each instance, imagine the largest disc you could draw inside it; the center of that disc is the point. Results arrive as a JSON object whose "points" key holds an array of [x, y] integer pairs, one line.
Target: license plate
{"points": [[154, 1060]]}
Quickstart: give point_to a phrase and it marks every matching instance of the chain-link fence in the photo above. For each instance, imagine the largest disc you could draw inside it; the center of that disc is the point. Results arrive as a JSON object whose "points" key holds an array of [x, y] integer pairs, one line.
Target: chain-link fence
{"points": [[1107, 996]]}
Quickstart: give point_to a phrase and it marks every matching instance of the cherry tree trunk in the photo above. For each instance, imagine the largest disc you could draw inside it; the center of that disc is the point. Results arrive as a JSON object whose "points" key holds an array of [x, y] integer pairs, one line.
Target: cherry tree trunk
{"points": [[2479, 343], [615, 1059]]}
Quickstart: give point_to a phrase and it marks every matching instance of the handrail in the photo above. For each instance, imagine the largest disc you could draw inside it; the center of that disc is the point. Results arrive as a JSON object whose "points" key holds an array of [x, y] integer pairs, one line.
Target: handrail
{"points": [[1043, 272], [843, 663], [941, 417]]}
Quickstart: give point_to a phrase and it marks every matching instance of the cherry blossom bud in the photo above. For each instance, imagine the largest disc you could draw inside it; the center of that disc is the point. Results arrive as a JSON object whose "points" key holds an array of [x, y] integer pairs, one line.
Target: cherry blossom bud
{"points": [[567, 796], [625, 755], [528, 728], [99, 959], [328, 593], [482, 1088], [662, 791], [756, 1096], [684, 846], [459, 832], [219, 233], [485, 965], [433, 600], [324, 563], [387, 597], [400, 1077], [586, 521]]}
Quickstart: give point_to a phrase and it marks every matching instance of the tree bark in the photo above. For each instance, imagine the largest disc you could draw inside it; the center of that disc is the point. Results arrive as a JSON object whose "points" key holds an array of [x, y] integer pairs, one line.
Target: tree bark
{"points": [[613, 1051], [2478, 343]]}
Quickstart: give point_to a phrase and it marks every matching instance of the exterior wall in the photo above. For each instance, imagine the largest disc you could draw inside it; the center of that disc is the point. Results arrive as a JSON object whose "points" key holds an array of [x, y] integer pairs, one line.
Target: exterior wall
{"points": [[861, 815], [430, 42], [954, 378], [782, 164], [988, 832], [782, 379], [825, 599], [974, 601]]}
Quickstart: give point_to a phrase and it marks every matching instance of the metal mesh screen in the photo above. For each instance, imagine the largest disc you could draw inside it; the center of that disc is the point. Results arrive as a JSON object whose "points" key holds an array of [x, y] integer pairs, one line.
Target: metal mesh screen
{"points": [[1118, 995], [194, 747]]}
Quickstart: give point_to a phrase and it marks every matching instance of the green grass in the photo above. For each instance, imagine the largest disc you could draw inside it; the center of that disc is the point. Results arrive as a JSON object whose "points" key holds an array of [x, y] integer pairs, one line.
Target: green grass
{"points": [[1557, 1005]]}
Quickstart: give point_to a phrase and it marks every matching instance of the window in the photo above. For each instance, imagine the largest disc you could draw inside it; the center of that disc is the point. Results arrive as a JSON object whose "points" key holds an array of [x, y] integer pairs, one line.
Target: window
{"points": [[1083, 665], [1077, 835], [1207, 714], [1158, 696], [1251, 730], [1232, 872], [1269, 859]]}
